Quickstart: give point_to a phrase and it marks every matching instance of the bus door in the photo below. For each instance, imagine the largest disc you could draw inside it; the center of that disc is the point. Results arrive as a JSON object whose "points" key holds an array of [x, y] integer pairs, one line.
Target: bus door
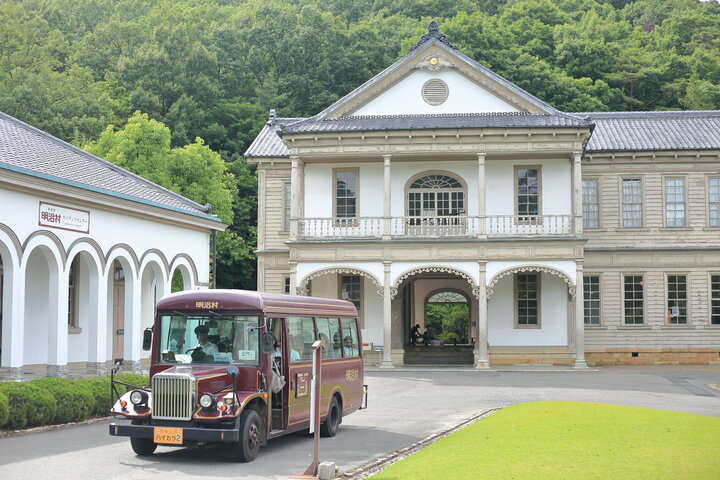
{"points": [[298, 351]]}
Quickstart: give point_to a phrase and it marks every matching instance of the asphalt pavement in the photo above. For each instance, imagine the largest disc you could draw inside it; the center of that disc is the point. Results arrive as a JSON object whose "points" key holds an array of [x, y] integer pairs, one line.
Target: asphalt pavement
{"points": [[405, 406]]}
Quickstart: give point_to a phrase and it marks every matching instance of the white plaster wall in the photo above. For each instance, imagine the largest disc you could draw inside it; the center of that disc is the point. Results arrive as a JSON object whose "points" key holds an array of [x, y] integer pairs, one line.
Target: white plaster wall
{"points": [[319, 189], [553, 315], [306, 268], [78, 342], [109, 228], [555, 193], [464, 96], [37, 309], [566, 266], [469, 268]]}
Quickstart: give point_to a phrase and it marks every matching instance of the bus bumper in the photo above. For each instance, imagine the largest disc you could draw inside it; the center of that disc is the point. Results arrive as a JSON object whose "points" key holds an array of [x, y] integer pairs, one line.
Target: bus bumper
{"points": [[190, 435]]}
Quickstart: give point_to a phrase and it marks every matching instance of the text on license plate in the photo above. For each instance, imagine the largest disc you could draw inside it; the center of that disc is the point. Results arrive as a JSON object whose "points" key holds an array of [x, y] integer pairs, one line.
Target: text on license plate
{"points": [[168, 435]]}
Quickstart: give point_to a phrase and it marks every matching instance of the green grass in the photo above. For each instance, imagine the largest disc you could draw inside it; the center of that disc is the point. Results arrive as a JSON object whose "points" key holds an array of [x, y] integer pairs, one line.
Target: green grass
{"points": [[571, 440]]}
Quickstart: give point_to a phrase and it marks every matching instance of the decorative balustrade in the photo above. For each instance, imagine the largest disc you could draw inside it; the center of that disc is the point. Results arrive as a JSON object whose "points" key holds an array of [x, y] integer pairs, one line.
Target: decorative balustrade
{"points": [[436, 227]]}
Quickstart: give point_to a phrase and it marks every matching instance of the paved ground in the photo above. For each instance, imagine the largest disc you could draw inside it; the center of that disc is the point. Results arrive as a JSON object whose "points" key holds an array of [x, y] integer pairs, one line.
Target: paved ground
{"points": [[405, 406]]}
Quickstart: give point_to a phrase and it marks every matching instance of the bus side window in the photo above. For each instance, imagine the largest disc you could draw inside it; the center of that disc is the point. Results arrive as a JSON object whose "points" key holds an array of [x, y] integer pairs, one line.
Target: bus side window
{"points": [[329, 333], [301, 335], [350, 337]]}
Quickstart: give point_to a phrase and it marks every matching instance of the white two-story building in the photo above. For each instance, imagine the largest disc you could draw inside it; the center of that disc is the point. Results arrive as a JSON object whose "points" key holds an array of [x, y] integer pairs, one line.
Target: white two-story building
{"points": [[440, 194]]}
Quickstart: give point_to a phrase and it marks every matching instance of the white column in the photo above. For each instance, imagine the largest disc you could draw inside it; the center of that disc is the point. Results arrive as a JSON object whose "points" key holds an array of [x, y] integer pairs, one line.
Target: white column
{"points": [[294, 196], [481, 195], [577, 193], [13, 324], [482, 357], [133, 323], [97, 305], [387, 318], [386, 197], [579, 319]]}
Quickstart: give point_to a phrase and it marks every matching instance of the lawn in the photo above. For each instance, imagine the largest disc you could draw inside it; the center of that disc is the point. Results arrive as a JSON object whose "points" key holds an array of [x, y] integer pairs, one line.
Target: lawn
{"points": [[571, 440]]}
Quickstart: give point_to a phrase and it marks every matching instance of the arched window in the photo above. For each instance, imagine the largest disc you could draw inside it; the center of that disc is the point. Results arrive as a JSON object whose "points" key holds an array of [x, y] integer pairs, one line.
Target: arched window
{"points": [[436, 195], [447, 316]]}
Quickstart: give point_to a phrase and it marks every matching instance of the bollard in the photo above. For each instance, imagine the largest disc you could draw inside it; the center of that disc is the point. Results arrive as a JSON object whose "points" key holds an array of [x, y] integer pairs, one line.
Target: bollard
{"points": [[326, 470]]}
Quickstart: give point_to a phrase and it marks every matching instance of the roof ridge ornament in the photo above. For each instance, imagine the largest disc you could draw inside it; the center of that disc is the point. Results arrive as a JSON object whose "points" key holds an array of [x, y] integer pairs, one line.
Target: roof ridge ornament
{"points": [[434, 33]]}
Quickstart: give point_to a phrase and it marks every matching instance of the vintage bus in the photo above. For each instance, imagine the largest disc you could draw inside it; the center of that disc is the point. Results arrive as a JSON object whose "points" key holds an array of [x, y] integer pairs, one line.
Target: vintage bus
{"points": [[214, 356]]}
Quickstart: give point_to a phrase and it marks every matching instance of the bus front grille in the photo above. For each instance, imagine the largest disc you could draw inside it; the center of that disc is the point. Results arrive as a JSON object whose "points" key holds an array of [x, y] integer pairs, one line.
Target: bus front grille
{"points": [[172, 396]]}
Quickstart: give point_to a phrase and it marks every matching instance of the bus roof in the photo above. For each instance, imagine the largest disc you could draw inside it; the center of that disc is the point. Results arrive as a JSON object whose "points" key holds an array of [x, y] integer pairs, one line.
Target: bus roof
{"points": [[270, 303]]}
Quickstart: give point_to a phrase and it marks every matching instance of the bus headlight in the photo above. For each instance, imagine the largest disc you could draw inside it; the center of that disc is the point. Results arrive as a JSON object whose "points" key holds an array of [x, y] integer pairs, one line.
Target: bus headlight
{"points": [[138, 398], [207, 400]]}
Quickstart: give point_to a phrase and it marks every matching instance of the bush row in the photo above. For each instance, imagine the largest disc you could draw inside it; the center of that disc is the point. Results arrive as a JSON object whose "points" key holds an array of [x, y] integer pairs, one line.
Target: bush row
{"points": [[46, 401]]}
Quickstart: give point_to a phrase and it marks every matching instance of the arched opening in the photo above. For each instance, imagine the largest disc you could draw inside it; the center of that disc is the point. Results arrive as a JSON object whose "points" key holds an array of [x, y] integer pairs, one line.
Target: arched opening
{"points": [[83, 286], [447, 316], [152, 287], [116, 307], [41, 302]]}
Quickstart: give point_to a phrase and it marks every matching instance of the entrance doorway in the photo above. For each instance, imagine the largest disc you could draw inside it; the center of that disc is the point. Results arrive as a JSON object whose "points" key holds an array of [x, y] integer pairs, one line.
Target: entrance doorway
{"points": [[447, 314]]}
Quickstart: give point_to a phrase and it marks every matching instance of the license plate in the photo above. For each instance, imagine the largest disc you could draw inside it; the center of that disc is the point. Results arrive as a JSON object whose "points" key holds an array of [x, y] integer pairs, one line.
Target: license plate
{"points": [[168, 435]]}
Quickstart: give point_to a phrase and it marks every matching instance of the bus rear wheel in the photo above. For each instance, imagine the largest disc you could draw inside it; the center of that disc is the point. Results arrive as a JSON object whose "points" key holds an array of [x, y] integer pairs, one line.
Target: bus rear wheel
{"points": [[331, 424], [247, 448]]}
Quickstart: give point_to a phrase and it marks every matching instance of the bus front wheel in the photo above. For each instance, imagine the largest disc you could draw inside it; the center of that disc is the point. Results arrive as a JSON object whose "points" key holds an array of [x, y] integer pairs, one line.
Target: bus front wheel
{"points": [[331, 424], [247, 448], [143, 446]]}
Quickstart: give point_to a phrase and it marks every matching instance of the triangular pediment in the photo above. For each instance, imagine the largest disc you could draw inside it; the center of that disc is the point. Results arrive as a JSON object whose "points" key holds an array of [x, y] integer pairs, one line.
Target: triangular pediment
{"points": [[435, 78]]}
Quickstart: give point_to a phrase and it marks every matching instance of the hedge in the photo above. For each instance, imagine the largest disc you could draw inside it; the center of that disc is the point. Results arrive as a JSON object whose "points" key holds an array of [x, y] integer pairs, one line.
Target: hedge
{"points": [[4, 409], [29, 405], [75, 400]]}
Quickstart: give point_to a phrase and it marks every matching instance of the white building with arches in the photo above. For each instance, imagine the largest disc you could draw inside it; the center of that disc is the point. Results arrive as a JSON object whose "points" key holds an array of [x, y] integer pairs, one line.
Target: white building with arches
{"points": [[86, 249], [554, 238]]}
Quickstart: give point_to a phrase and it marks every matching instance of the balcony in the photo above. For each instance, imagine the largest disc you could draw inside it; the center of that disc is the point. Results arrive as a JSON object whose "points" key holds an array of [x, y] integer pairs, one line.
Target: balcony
{"points": [[435, 227]]}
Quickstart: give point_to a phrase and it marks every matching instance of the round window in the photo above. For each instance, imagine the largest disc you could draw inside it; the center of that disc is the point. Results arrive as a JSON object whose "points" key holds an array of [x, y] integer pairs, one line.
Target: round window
{"points": [[435, 91]]}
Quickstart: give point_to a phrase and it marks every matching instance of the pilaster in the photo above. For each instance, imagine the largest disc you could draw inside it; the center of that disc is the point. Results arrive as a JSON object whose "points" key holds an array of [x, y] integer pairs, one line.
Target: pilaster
{"points": [[482, 358], [579, 319], [387, 361]]}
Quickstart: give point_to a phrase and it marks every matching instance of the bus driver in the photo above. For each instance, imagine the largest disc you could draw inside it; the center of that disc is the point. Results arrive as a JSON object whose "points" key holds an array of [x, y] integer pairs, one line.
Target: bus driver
{"points": [[208, 347]]}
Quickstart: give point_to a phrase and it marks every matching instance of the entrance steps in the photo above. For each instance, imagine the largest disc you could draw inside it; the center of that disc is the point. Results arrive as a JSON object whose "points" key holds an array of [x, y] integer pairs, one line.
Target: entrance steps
{"points": [[439, 355]]}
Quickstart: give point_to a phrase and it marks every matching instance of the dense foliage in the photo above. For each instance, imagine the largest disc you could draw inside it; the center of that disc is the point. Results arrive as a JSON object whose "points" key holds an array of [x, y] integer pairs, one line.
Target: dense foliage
{"points": [[212, 69]]}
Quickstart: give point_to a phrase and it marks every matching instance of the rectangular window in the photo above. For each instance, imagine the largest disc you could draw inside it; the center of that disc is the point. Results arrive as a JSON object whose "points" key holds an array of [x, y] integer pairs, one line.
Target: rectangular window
{"points": [[674, 202], [714, 202], [677, 299], [591, 203], [286, 285], [350, 289], [527, 192], [632, 203], [591, 296], [287, 198], [345, 195], [301, 336], [527, 299], [633, 299], [351, 346], [331, 336], [715, 299]]}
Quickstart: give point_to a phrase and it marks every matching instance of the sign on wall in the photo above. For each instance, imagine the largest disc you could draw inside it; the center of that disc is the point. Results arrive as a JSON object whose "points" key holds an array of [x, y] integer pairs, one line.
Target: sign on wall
{"points": [[64, 218]]}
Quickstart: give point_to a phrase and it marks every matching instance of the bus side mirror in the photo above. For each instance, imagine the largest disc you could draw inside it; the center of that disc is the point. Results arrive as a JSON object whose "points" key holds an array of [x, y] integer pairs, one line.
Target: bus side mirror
{"points": [[267, 342], [147, 339]]}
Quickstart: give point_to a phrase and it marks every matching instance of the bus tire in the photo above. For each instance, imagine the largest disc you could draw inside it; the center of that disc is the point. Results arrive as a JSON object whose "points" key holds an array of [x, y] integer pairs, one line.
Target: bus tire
{"points": [[143, 446], [247, 448], [331, 424]]}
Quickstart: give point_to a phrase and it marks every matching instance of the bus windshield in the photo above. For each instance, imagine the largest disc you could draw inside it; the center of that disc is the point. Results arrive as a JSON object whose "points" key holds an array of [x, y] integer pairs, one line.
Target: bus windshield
{"points": [[209, 338]]}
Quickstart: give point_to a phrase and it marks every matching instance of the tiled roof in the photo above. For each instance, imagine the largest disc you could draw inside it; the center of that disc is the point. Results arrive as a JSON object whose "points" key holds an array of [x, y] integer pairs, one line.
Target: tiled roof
{"points": [[366, 123], [267, 143], [28, 150], [638, 131]]}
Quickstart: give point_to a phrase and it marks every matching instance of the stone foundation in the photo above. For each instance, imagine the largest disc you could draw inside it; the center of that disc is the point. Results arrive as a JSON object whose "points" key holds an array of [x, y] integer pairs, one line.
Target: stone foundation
{"points": [[535, 356], [654, 356]]}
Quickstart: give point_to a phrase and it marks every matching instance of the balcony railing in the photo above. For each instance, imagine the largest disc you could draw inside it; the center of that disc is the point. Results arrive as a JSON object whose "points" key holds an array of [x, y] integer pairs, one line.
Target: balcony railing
{"points": [[435, 227]]}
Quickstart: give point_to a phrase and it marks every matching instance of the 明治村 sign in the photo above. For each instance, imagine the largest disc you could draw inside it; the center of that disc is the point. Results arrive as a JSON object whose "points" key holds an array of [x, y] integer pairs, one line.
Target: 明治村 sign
{"points": [[64, 218]]}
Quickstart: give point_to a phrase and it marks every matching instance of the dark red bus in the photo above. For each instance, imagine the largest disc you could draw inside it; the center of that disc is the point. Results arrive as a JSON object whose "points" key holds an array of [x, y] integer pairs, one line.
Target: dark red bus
{"points": [[215, 354]]}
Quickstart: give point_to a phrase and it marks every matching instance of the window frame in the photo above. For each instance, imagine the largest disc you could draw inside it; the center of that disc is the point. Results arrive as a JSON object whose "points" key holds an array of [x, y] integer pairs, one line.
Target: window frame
{"points": [[286, 206], [625, 300], [528, 219], [74, 296], [345, 221], [711, 203], [668, 307], [586, 300], [714, 298], [623, 203], [286, 285], [597, 202], [666, 219], [516, 301], [360, 309]]}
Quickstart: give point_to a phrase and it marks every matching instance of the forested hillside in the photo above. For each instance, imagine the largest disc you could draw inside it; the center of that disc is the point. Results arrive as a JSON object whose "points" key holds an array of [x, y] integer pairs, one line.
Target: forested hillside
{"points": [[212, 69]]}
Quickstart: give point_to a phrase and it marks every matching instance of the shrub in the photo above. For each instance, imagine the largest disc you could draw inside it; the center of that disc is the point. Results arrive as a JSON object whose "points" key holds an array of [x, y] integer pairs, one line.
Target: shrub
{"points": [[4, 409], [133, 379], [29, 405], [100, 389], [75, 400]]}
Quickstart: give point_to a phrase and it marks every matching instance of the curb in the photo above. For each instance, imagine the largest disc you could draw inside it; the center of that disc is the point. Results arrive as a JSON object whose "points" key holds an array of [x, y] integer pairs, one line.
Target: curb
{"points": [[46, 428], [377, 466]]}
